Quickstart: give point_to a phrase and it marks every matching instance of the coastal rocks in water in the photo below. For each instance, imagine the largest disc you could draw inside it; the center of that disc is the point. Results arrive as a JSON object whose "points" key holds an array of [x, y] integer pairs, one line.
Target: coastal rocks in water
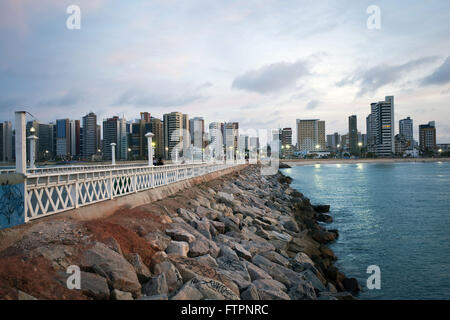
{"points": [[106, 262], [322, 236], [302, 291], [322, 208], [351, 285], [178, 247], [324, 218]]}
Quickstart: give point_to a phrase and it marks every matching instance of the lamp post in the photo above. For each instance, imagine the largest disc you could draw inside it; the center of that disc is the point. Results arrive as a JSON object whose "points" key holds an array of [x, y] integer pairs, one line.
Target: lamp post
{"points": [[129, 154], [360, 148], [32, 140], [113, 154], [149, 137]]}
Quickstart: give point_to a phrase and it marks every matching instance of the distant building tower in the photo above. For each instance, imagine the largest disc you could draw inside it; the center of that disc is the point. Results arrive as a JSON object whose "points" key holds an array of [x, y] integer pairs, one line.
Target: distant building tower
{"points": [[353, 135], [406, 130], [216, 130], [46, 145], [427, 136], [382, 127], [114, 131], [63, 138], [286, 142], [156, 127], [231, 139], [173, 135], [310, 135], [6, 148], [333, 140], [197, 133], [90, 139]]}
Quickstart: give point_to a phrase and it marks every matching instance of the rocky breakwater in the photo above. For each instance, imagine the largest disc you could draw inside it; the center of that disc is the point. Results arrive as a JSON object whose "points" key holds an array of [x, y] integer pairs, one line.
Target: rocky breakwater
{"points": [[241, 236]]}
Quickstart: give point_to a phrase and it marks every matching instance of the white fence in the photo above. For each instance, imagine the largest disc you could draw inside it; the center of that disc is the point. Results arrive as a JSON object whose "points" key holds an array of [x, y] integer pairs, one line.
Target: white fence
{"points": [[56, 189]]}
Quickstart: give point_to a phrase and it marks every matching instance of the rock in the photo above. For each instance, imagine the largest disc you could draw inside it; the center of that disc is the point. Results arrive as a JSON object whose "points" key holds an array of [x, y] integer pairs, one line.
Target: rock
{"points": [[302, 291], [156, 286], [158, 240], [142, 271], [188, 292], [157, 297], [190, 268], [180, 235], [301, 257], [173, 277], [106, 262], [207, 260], [290, 224], [251, 293], [230, 223], [179, 248], [198, 248], [242, 252], [219, 226], [94, 286], [234, 265], [327, 253], [324, 218], [314, 280], [255, 247], [351, 285], [121, 295], [187, 215], [271, 290], [322, 208], [275, 257], [203, 227], [212, 289], [225, 198], [323, 236], [282, 236], [113, 245], [25, 296], [256, 273]]}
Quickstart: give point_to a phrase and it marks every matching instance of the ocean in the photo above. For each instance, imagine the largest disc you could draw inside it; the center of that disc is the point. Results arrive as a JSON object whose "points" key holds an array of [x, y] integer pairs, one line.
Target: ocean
{"points": [[393, 215]]}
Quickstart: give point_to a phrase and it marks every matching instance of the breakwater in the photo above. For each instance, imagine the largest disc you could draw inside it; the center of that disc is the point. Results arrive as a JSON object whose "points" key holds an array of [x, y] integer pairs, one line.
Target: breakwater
{"points": [[240, 236]]}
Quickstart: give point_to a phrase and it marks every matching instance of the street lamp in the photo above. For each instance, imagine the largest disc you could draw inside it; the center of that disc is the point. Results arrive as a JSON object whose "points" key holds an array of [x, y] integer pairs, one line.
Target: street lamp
{"points": [[360, 148]]}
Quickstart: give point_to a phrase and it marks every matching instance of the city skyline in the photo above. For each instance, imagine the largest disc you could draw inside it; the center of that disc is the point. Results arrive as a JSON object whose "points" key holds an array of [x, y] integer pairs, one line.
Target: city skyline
{"points": [[289, 65]]}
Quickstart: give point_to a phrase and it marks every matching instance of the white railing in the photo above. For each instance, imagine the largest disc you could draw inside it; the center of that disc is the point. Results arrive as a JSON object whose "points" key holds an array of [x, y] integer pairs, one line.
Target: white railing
{"points": [[53, 190]]}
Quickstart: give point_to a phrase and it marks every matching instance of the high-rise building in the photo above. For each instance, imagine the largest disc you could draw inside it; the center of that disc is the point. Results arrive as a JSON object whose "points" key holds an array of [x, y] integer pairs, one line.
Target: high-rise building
{"points": [[231, 139], [145, 116], [114, 131], [216, 133], [254, 147], [197, 132], [6, 148], [156, 127], [63, 138], [353, 134], [333, 141], [90, 139], [427, 136], [173, 135], [286, 142], [382, 127], [186, 135], [406, 130], [311, 135], [46, 142]]}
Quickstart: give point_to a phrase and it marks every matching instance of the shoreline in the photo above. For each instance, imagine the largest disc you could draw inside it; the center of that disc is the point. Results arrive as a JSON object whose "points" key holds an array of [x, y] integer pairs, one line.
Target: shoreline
{"points": [[301, 162], [241, 236]]}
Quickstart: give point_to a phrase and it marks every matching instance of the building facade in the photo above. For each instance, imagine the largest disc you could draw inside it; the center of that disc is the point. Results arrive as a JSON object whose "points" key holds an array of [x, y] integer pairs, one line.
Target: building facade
{"points": [[90, 139], [427, 136], [173, 135], [311, 135], [353, 135], [6, 139], [407, 131], [382, 127]]}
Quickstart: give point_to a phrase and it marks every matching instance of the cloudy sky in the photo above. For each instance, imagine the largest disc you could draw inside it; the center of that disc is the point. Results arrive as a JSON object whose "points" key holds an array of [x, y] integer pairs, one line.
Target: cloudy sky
{"points": [[263, 63]]}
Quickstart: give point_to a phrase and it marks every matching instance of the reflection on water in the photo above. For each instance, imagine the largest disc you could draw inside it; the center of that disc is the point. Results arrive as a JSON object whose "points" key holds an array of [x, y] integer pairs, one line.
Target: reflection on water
{"points": [[394, 215]]}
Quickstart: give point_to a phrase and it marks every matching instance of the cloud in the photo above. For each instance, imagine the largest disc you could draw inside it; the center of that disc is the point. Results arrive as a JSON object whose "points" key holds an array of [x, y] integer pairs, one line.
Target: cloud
{"points": [[313, 104], [271, 78], [139, 98], [376, 77], [67, 99], [440, 76]]}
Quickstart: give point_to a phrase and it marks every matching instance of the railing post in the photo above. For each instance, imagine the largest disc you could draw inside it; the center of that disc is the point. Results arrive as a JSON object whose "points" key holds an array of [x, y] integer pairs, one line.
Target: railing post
{"points": [[111, 186], [77, 186]]}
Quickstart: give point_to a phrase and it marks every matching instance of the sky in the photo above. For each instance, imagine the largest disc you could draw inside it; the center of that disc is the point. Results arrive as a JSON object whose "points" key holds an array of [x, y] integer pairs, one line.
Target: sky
{"points": [[263, 63]]}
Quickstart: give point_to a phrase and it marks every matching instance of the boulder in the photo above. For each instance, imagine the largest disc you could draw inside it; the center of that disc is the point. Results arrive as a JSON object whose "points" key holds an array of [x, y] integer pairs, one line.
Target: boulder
{"points": [[198, 248], [157, 297], [242, 252], [121, 295], [314, 280], [179, 234], [142, 271], [351, 285], [271, 290], [156, 286], [94, 286], [251, 293], [255, 247], [275, 257], [178, 247], [207, 260], [219, 226], [203, 227], [302, 290], [188, 292], [322, 208], [225, 198], [119, 273], [173, 277], [256, 273], [158, 240], [212, 289]]}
